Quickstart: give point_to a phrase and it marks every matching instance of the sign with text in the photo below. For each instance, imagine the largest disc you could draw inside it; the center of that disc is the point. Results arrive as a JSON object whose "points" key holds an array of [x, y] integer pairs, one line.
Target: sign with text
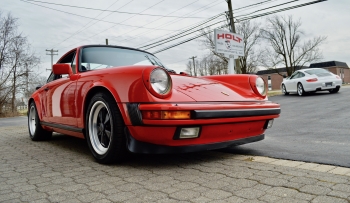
{"points": [[228, 43]]}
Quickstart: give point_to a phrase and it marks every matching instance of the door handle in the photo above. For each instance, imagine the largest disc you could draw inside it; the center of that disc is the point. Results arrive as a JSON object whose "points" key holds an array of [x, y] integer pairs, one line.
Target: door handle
{"points": [[46, 89]]}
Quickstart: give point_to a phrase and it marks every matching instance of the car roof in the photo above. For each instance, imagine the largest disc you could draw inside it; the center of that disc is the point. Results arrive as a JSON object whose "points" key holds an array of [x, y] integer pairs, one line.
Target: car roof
{"points": [[306, 69]]}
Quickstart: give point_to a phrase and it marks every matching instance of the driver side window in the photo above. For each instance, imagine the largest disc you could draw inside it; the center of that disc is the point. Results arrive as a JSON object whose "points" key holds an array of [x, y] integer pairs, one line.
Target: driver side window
{"points": [[295, 75], [70, 59]]}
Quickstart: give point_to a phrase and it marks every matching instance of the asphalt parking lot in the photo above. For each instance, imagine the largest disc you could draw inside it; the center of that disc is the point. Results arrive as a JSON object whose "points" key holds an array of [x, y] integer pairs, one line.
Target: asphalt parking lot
{"points": [[312, 128], [62, 170]]}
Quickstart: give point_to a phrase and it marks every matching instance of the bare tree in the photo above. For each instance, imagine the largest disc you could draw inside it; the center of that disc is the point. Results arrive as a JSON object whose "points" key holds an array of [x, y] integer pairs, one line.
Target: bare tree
{"points": [[284, 36], [16, 61], [251, 38], [189, 67]]}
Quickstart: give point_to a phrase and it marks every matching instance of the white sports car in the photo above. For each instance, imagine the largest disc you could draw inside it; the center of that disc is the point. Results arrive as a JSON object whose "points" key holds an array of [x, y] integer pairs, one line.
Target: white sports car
{"points": [[311, 80]]}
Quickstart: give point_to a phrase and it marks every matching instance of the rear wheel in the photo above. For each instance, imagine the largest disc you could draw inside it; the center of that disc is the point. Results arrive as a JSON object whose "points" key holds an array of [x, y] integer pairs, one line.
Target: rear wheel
{"points": [[36, 131], [335, 90], [300, 89], [105, 129], [284, 90]]}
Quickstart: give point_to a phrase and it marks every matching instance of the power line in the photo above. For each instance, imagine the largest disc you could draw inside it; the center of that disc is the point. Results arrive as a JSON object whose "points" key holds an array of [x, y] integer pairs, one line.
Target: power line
{"points": [[251, 5], [187, 40], [95, 18], [248, 18], [279, 10], [184, 31], [105, 10], [173, 21], [260, 3], [85, 26], [160, 17], [125, 20], [177, 37], [268, 8]]}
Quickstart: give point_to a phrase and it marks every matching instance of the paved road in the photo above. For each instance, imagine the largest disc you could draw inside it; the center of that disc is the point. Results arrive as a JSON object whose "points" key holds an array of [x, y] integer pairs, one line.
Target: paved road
{"points": [[14, 121], [62, 170], [313, 128]]}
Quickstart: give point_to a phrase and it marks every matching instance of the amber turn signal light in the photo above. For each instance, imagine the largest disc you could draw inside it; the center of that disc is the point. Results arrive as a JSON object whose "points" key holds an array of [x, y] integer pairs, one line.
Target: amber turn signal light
{"points": [[166, 115]]}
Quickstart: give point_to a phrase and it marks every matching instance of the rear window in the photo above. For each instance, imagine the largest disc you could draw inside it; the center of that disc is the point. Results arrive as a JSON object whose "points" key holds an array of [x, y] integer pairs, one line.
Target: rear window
{"points": [[316, 71]]}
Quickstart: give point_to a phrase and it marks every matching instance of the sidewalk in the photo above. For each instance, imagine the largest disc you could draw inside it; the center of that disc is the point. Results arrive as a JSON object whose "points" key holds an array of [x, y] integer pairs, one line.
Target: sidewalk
{"points": [[62, 170]]}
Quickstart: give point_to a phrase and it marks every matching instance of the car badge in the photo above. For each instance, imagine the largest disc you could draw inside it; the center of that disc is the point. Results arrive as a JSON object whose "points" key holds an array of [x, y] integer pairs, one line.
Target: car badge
{"points": [[225, 93]]}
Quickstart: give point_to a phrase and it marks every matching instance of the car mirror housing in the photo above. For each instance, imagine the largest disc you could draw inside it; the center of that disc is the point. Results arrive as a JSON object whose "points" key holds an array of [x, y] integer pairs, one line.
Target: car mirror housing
{"points": [[61, 69]]}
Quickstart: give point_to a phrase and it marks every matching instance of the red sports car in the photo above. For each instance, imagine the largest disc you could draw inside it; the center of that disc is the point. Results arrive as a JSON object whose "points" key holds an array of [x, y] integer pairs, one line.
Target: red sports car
{"points": [[122, 99]]}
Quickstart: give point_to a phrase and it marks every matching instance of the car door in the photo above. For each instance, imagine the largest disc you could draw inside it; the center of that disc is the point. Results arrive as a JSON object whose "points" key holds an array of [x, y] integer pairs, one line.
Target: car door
{"points": [[60, 96], [43, 98], [293, 81], [289, 82]]}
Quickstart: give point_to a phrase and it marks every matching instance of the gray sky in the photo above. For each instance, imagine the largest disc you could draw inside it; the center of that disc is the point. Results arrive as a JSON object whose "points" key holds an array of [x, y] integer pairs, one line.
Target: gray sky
{"points": [[47, 28]]}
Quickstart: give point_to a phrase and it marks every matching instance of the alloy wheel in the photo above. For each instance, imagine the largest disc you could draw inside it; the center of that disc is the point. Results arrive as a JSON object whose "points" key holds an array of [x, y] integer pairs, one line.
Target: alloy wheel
{"points": [[100, 127], [31, 120]]}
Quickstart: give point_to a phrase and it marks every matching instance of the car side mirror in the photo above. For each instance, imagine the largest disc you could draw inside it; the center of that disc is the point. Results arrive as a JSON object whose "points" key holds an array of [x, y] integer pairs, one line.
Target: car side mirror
{"points": [[38, 87], [61, 69]]}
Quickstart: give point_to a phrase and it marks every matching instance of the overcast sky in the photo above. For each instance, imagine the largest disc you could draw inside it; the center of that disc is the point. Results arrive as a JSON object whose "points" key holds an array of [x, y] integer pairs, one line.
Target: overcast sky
{"points": [[46, 28]]}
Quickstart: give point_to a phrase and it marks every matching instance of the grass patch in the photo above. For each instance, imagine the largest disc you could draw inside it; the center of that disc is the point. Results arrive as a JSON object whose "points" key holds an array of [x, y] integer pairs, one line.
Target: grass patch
{"points": [[274, 93]]}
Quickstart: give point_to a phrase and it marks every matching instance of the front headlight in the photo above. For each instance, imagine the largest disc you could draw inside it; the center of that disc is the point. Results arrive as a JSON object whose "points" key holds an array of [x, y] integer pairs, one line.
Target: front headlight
{"points": [[160, 81], [260, 86]]}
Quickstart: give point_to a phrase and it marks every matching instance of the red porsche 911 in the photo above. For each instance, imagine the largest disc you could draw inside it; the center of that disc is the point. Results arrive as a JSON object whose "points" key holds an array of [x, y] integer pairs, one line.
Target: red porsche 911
{"points": [[125, 100]]}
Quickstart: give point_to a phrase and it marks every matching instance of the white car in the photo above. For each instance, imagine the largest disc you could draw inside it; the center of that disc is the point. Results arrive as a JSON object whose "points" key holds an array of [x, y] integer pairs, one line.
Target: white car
{"points": [[311, 80]]}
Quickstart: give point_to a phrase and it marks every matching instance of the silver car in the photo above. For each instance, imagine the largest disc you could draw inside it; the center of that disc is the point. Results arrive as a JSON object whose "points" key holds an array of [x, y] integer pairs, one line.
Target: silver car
{"points": [[311, 80]]}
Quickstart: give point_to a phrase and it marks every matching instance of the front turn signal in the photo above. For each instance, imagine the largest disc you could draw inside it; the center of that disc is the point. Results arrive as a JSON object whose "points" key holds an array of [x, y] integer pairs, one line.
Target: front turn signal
{"points": [[166, 115]]}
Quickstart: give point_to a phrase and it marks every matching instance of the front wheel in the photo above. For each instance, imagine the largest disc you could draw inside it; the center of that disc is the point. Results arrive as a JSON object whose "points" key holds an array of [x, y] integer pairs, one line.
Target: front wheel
{"points": [[284, 90], [105, 129], [36, 131], [300, 90]]}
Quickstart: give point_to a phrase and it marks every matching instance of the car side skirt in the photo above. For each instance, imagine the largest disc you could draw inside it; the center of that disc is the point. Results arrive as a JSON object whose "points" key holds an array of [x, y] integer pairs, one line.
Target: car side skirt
{"points": [[63, 127], [136, 146]]}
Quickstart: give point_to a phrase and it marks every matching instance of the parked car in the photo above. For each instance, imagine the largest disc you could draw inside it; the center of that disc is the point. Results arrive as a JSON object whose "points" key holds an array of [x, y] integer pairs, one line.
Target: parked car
{"points": [[311, 80], [125, 100]]}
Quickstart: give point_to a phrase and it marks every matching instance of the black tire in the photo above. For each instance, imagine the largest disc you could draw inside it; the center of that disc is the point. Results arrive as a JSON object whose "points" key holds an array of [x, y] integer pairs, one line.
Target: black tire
{"points": [[284, 90], [36, 131], [105, 129], [335, 90], [300, 89]]}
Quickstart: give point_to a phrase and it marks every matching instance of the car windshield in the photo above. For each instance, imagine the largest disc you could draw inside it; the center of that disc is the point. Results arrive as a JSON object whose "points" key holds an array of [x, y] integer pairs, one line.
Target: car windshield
{"points": [[104, 57], [316, 71]]}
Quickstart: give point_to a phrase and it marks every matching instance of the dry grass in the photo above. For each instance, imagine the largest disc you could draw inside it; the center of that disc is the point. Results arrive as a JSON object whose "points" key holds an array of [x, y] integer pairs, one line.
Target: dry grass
{"points": [[14, 114], [274, 93]]}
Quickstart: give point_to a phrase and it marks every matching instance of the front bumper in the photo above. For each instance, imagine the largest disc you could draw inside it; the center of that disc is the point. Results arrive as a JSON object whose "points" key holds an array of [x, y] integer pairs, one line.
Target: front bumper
{"points": [[218, 122], [136, 146]]}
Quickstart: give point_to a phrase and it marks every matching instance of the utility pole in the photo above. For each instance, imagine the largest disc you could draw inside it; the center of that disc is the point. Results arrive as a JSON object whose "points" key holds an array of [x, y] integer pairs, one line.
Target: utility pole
{"points": [[233, 29], [194, 65], [51, 52], [232, 22]]}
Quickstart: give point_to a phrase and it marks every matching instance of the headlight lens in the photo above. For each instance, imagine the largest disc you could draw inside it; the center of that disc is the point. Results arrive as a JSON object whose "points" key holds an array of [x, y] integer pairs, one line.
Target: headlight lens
{"points": [[160, 81], [260, 86]]}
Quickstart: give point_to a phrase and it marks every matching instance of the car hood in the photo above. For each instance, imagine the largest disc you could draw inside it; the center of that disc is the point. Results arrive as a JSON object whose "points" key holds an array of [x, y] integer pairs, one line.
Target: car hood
{"points": [[205, 90]]}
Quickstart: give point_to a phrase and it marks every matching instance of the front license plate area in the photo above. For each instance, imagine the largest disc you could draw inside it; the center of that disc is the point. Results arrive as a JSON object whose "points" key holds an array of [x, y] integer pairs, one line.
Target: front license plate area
{"points": [[328, 84]]}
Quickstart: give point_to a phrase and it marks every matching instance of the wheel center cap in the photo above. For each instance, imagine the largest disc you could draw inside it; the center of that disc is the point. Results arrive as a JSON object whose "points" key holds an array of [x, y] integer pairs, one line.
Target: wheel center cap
{"points": [[102, 127]]}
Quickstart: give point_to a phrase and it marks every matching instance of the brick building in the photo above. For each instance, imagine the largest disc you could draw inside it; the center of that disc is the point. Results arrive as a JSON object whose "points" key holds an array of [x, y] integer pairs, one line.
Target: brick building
{"points": [[274, 79]]}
